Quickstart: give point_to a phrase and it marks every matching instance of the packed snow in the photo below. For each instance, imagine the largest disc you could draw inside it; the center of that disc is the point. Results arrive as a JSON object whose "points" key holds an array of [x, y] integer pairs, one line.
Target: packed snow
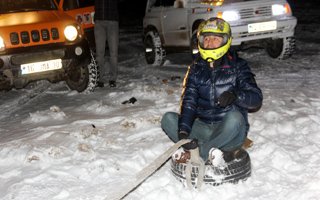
{"points": [[62, 145]]}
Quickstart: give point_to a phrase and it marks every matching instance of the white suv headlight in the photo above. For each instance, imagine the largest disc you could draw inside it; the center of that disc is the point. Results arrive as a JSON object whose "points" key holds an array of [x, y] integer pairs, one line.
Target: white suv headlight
{"points": [[230, 16], [71, 33], [2, 46], [279, 9]]}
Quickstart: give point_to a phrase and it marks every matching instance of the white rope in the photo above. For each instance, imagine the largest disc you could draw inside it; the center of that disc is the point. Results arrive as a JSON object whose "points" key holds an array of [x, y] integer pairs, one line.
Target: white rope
{"points": [[147, 171], [195, 160]]}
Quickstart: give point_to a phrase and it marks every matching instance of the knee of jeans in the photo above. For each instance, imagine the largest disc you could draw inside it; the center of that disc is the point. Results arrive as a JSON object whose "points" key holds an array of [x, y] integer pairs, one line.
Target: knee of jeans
{"points": [[167, 118], [234, 117], [236, 143]]}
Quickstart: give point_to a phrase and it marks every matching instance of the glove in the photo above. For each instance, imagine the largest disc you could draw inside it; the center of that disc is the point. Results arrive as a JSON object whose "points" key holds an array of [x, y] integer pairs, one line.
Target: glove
{"points": [[191, 145], [226, 98], [183, 135]]}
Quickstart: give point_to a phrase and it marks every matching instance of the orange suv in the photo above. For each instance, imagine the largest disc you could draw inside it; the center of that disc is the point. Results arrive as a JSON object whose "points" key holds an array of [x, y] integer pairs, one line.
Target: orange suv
{"points": [[39, 41]]}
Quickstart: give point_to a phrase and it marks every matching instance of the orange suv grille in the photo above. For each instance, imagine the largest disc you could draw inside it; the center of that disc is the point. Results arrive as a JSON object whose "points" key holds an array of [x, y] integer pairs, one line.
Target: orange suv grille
{"points": [[26, 37]]}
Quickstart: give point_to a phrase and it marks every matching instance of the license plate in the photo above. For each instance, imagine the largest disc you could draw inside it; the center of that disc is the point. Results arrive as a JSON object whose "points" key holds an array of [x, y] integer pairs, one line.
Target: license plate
{"points": [[41, 66], [263, 26]]}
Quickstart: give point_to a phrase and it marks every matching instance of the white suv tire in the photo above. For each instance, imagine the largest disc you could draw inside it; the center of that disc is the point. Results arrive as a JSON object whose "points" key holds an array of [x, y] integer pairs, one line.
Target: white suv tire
{"points": [[282, 48], [154, 52]]}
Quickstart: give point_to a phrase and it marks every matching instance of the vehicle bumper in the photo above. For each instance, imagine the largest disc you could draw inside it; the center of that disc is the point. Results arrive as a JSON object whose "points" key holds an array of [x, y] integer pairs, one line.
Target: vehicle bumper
{"points": [[285, 28], [11, 61]]}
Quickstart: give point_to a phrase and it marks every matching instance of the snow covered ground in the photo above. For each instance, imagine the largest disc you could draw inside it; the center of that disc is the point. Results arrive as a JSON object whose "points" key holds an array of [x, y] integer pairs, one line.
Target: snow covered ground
{"points": [[61, 145]]}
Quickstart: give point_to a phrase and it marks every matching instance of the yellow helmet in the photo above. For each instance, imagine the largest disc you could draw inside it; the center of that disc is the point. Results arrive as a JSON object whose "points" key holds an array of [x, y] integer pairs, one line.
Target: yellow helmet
{"points": [[214, 27]]}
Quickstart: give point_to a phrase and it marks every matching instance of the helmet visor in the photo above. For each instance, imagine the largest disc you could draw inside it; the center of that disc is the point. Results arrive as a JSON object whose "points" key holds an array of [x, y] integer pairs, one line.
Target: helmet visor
{"points": [[210, 40]]}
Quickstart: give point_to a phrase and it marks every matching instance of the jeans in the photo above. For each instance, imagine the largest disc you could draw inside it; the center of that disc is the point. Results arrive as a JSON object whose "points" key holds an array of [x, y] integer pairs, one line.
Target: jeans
{"points": [[227, 135], [107, 31]]}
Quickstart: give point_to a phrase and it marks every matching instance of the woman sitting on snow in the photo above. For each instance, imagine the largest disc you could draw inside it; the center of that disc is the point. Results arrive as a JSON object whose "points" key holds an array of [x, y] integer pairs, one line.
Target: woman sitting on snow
{"points": [[219, 89]]}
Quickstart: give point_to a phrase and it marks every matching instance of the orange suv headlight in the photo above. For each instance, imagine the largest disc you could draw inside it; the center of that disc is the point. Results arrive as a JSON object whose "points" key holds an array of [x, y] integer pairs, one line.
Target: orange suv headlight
{"points": [[2, 46], [71, 33]]}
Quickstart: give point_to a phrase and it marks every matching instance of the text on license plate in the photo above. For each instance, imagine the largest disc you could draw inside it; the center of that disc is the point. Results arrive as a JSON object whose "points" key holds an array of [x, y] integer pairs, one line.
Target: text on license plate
{"points": [[41, 66], [263, 26]]}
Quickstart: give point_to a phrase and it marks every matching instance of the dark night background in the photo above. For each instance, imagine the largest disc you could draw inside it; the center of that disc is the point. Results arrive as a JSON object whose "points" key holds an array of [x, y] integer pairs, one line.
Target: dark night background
{"points": [[132, 12], [305, 10]]}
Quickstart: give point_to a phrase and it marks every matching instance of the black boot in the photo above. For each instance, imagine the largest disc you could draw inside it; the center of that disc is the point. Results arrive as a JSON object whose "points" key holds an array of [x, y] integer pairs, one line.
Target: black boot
{"points": [[112, 83], [230, 155]]}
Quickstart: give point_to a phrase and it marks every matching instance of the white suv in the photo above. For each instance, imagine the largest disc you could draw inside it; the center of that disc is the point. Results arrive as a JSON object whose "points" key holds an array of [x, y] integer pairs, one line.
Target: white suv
{"points": [[169, 24]]}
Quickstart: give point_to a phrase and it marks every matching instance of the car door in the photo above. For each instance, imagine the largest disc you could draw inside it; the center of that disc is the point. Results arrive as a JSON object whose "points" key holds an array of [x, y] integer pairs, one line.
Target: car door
{"points": [[175, 24]]}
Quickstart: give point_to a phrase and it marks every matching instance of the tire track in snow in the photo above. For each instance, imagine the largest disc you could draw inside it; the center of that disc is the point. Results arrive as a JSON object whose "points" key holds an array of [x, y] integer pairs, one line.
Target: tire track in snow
{"points": [[10, 106]]}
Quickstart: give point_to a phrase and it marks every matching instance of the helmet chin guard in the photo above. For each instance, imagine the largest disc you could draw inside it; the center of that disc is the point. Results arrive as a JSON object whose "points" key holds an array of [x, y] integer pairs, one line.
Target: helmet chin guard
{"points": [[210, 60]]}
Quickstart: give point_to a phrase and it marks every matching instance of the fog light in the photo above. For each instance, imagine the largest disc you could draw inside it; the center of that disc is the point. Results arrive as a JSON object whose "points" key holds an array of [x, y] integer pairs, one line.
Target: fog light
{"points": [[78, 51]]}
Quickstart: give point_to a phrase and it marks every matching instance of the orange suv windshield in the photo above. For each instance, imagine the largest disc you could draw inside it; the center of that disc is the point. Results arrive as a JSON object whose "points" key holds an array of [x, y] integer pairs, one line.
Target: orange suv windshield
{"points": [[13, 6]]}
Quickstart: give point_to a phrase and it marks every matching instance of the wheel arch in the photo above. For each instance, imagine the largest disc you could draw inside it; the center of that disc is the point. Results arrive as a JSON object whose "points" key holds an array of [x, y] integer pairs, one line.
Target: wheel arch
{"points": [[153, 28], [149, 28]]}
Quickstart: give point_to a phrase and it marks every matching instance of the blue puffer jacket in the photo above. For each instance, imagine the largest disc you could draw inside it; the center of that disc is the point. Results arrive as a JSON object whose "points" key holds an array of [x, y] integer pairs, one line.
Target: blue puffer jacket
{"points": [[203, 85]]}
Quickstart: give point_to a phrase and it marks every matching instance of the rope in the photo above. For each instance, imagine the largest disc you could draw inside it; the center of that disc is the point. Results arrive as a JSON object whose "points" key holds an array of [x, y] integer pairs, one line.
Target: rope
{"points": [[147, 171], [195, 159]]}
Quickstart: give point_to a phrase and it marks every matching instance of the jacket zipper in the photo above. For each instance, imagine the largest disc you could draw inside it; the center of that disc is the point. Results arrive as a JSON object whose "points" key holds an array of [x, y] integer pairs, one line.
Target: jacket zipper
{"points": [[213, 86]]}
